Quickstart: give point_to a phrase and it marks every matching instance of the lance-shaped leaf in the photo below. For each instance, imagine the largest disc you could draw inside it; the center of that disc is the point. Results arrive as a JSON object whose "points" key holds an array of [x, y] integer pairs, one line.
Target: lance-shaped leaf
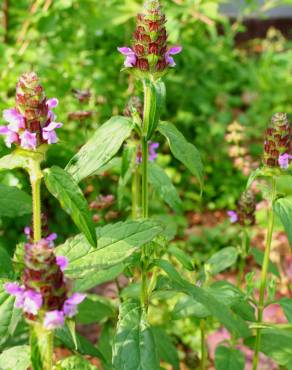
{"points": [[14, 202], [183, 150], [165, 348], [103, 145], [221, 260], [283, 209], [218, 309], [115, 243], [9, 315], [163, 186], [154, 97], [134, 347], [63, 187]]}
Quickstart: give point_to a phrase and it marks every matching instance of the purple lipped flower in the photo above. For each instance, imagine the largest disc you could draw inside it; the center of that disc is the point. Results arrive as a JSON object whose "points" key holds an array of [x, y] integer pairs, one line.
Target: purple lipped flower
{"points": [[51, 238], [17, 291], [54, 319], [62, 262], [233, 216], [284, 160], [152, 152], [10, 136], [28, 140], [172, 51], [14, 118], [130, 55], [52, 103], [32, 302], [27, 232], [70, 305], [49, 132]]}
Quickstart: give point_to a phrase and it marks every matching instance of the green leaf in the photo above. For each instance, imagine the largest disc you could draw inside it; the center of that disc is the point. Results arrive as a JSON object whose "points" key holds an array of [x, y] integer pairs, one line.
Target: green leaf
{"points": [[63, 187], [155, 96], [9, 315], [166, 350], [184, 151], [104, 144], [164, 188], [6, 267], [182, 257], [286, 304], [14, 202], [134, 347], [75, 363], [276, 344], [221, 260], [94, 278], [126, 172], [219, 310], [15, 358], [84, 347], [94, 309], [115, 243], [283, 209], [259, 258], [22, 158], [227, 358]]}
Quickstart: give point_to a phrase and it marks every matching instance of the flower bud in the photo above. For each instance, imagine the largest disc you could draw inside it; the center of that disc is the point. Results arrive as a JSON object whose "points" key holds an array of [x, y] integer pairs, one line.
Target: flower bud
{"points": [[277, 140], [246, 209], [134, 105]]}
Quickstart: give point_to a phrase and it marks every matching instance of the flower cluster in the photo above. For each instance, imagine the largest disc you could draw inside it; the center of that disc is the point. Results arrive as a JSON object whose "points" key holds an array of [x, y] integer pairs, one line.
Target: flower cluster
{"points": [[32, 121], [246, 207], [277, 147], [149, 51], [44, 294], [152, 152]]}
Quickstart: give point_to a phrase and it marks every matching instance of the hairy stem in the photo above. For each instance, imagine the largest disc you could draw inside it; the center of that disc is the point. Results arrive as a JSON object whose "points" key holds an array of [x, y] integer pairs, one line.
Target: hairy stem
{"points": [[35, 180], [264, 274], [41, 343]]}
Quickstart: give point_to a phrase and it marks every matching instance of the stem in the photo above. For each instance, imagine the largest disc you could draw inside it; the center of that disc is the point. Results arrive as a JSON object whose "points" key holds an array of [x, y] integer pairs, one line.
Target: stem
{"points": [[41, 343], [203, 345], [35, 180], [242, 257], [264, 274], [145, 177]]}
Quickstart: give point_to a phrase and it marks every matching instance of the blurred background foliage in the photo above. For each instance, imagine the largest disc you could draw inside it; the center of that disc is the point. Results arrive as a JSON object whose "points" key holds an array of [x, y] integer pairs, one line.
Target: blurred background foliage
{"points": [[72, 45]]}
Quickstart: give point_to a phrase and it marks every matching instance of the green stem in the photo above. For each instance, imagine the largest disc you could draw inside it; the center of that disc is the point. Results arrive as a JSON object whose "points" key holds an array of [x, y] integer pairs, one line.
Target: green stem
{"points": [[135, 192], [35, 180], [243, 254], [42, 344], [264, 274], [203, 344], [145, 177]]}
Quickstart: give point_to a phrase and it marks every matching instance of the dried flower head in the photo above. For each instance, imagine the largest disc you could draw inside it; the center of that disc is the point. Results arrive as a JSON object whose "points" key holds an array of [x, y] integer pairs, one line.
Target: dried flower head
{"points": [[149, 52], [246, 208]]}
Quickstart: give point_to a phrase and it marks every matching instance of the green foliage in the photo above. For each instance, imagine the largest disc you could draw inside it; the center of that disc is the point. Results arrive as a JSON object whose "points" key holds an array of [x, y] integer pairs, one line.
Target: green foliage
{"points": [[75, 363], [15, 358], [103, 145], [63, 187], [115, 243], [134, 346], [184, 151], [283, 209], [259, 257], [165, 347], [163, 186], [14, 202], [221, 260], [155, 98], [93, 309], [227, 358]]}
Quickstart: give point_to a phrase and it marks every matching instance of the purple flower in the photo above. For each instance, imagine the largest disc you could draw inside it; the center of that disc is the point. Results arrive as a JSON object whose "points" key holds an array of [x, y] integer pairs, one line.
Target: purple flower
{"points": [[17, 291], [62, 262], [52, 103], [14, 118], [51, 238], [54, 319], [233, 216], [284, 160], [152, 153], [28, 140], [70, 305], [32, 302], [131, 58], [172, 51], [10, 136], [49, 132]]}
